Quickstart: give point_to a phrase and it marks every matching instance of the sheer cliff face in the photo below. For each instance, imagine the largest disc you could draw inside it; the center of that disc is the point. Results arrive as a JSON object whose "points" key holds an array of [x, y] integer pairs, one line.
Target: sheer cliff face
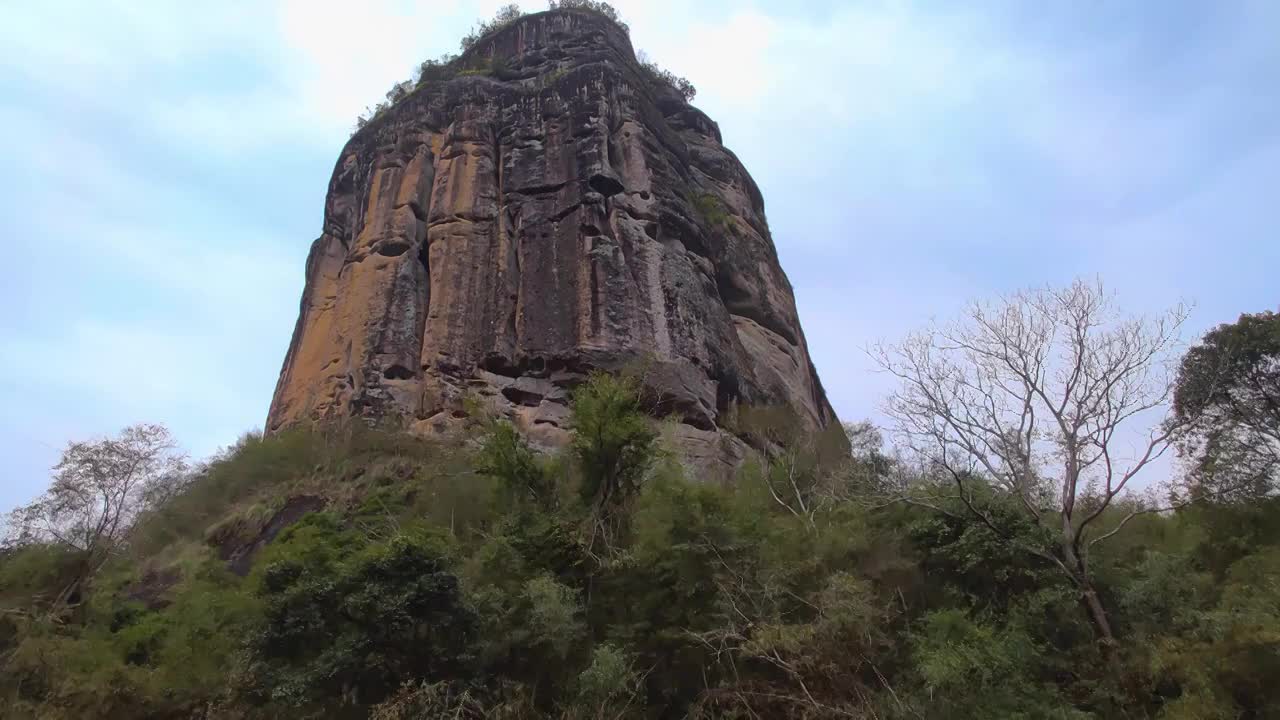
{"points": [[498, 235]]}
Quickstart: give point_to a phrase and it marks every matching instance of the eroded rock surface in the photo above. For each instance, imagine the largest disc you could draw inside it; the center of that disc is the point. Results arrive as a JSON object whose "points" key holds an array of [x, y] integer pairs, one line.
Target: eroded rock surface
{"points": [[498, 235]]}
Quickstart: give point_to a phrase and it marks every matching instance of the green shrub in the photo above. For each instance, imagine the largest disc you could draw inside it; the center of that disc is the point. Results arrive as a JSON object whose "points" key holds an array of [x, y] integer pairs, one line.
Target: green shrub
{"points": [[661, 78], [614, 443], [607, 685], [351, 624], [507, 457], [255, 465], [436, 71], [591, 6], [505, 16], [33, 575], [712, 210], [983, 670], [553, 615]]}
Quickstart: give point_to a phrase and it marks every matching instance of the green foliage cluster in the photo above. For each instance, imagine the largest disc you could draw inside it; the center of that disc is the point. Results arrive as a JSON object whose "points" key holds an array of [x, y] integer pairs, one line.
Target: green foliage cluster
{"points": [[711, 209], [505, 16], [510, 13], [435, 71], [665, 78], [592, 6], [493, 581], [447, 67], [344, 618], [1230, 392], [612, 439], [548, 79], [494, 66]]}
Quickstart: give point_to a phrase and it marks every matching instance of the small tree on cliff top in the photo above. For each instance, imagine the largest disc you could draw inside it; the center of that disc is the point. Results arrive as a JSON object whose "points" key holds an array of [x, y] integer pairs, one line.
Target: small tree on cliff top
{"points": [[1038, 396], [506, 15]]}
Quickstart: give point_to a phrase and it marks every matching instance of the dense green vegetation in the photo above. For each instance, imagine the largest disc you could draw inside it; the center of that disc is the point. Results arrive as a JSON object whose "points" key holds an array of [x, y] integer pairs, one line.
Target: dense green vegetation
{"points": [[711, 210], [357, 572], [449, 66]]}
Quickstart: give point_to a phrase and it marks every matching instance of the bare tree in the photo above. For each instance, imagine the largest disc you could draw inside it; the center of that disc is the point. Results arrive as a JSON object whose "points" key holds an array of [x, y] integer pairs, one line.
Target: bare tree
{"points": [[98, 488], [799, 467], [1053, 398]]}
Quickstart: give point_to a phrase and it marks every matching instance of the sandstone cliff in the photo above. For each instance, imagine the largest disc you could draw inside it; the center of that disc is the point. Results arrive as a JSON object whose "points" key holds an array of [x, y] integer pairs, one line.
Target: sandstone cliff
{"points": [[553, 210]]}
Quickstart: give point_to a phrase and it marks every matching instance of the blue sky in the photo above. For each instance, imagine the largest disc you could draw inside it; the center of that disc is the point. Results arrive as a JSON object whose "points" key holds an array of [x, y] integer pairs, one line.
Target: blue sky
{"points": [[165, 166]]}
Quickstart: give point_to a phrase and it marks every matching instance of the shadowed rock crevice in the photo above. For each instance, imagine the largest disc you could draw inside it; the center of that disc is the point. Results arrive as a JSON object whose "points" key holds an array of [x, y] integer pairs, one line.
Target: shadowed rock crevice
{"points": [[496, 239], [605, 185], [393, 248], [398, 372]]}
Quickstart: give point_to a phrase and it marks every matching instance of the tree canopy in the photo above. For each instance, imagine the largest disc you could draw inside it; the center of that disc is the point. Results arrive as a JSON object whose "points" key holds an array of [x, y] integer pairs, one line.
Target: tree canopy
{"points": [[1228, 389]]}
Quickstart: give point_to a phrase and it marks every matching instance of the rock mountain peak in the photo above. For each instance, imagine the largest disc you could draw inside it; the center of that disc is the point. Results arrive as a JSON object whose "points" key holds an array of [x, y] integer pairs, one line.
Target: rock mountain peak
{"points": [[545, 207]]}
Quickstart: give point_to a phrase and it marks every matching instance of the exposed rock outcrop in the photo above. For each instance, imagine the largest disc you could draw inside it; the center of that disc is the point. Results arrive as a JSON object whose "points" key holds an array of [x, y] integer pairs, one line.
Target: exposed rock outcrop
{"points": [[499, 234]]}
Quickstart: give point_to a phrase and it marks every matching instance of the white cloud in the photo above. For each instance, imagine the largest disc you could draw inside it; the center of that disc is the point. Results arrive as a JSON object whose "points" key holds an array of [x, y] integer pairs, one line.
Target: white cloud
{"points": [[345, 56], [729, 60]]}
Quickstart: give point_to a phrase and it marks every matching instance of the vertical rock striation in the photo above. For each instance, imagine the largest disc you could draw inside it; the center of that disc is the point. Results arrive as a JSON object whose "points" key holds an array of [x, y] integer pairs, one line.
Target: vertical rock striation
{"points": [[500, 234]]}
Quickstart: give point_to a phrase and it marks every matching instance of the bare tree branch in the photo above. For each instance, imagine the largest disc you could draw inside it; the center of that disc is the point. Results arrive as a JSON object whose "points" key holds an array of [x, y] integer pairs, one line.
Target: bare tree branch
{"points": [[97, 491], [1032, 395]]}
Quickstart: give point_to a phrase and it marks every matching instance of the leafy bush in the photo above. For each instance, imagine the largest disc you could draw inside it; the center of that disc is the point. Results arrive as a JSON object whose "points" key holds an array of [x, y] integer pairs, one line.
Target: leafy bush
{"points": [[33, 574], [592, 6], [711, 209], [506, 456], [506, 15], [446, 67], [352, 624], [253, 465], [608, 682], [435, 71], [613, 442], [665, 78]]}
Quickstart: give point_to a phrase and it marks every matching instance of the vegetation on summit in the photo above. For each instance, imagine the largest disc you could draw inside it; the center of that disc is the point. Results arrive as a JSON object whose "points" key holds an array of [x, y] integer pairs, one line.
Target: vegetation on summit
{"points": [[449, 66], [993, 562]]}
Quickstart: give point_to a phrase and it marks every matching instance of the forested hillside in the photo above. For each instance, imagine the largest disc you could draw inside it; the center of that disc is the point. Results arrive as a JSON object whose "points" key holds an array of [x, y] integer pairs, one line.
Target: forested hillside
{"points": [[959, 571]]}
